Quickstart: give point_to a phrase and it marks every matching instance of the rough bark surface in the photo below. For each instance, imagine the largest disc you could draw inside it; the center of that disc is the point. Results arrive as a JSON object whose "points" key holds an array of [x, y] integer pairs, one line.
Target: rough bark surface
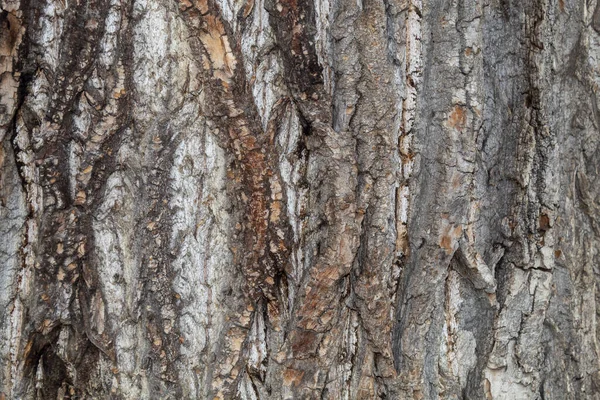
{"points": [[299, 199]]}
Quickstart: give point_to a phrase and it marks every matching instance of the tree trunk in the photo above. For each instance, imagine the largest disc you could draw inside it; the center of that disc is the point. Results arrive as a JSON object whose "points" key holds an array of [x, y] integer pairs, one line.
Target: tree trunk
{"points": [[298, 199]]}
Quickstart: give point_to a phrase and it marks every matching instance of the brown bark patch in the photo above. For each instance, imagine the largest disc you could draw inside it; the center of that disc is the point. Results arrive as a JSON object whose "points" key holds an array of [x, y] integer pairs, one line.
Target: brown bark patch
{"points": [[446, 243], [292, 377], [11, 35], [544, 222], [458, 118], [557, 253], [449, 236], [304, 342]]}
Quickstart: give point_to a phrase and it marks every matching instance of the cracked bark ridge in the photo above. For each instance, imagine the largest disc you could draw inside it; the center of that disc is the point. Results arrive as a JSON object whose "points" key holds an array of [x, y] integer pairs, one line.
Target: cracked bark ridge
{"points": [[281, 199]]}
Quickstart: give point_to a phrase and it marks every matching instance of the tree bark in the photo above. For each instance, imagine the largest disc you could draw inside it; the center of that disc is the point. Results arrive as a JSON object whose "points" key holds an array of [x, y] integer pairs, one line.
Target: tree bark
{"points": [[299, 199]]}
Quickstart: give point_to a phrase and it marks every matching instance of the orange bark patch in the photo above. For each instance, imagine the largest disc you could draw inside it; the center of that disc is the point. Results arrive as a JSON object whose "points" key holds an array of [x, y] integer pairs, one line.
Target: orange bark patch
{"points": [[217, 45], [275, 211], [458, 118], [557, 253], [27, 351], [449, 235], [184, 5], [292, 377], [446, 243], [202, 5]]}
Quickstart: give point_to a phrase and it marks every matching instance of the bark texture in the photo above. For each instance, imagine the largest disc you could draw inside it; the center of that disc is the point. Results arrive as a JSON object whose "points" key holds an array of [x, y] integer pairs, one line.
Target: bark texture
{"points": [[299, 199]]}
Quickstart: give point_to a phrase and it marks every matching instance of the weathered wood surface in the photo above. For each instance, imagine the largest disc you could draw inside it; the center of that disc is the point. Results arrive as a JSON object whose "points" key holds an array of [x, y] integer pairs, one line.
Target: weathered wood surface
{"points": [[298, 199]]}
